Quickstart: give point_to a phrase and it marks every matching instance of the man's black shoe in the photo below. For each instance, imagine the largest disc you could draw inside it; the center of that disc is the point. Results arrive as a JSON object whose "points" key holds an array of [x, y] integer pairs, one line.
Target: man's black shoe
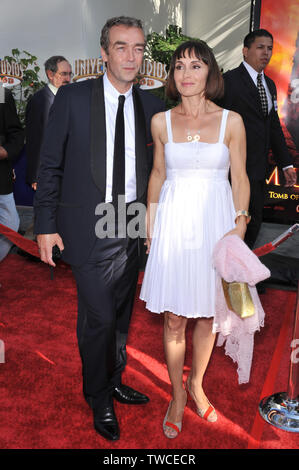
{"points": [[105, 423], [129, 396]]}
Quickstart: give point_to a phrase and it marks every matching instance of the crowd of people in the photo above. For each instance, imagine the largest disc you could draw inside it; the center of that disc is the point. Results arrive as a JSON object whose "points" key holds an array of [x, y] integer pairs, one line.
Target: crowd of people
{"points": [[199, 168]]}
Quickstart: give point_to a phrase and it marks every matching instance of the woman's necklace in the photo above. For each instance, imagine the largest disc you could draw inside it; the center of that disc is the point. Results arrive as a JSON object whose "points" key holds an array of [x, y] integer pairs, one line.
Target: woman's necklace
{"points": [[195, 138]]}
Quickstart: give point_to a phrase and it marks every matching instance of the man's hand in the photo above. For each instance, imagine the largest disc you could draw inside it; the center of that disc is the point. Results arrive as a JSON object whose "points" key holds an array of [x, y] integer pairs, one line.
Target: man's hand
{"points": [[290, 176], [45, 244], [3, 153], [34, 186]]}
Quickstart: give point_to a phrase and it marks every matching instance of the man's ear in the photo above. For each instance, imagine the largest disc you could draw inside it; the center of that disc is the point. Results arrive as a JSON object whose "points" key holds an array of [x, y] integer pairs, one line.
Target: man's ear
{"points": [[104, 55], [50, 75], [245, 52]]}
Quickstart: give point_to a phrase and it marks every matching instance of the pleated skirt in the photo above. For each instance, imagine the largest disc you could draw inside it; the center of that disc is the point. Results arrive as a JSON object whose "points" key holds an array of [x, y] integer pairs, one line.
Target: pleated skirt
{"points": [[193, 214]]}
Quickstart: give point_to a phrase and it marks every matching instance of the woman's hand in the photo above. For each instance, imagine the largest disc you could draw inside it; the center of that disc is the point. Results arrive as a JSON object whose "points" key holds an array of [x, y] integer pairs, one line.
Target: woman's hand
{"points": [[240, 228], [148, 245], [149, 224], [149, 232]]}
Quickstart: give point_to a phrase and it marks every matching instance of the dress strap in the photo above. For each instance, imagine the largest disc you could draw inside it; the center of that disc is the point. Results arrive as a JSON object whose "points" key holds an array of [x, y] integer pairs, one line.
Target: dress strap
{"points": [[223, 125], [168, 124]]}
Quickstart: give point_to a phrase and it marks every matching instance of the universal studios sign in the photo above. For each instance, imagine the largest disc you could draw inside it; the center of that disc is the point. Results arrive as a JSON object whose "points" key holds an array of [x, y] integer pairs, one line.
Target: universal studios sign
{"points": [[11, 74], [152, 74]]}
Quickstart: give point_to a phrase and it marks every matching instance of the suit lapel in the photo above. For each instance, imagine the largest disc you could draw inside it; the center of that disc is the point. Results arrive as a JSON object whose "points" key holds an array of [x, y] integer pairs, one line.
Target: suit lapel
{"points": [[272, 90], [250, 85], [49, 95], [142, 169], [98, 135], [253, 93], [49, 100], [270, 85]]}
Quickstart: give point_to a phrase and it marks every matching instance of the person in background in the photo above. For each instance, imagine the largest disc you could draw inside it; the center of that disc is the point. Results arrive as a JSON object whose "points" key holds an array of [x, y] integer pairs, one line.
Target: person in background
{"points": [[249, 92], [59, 73], [11, 144]]}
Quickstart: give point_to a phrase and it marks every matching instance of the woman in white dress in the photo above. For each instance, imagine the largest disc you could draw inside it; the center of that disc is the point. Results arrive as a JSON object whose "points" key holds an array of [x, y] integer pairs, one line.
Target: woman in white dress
{"points": [[191, 206]]}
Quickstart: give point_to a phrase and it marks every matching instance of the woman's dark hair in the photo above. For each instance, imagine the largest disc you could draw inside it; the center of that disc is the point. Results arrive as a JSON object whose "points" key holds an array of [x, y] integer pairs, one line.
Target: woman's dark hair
{"points": [[214, 86]]}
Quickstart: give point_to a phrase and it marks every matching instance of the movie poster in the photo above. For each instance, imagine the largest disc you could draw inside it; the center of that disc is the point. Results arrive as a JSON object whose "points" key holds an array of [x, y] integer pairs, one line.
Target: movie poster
{"points": [[282, 204]]}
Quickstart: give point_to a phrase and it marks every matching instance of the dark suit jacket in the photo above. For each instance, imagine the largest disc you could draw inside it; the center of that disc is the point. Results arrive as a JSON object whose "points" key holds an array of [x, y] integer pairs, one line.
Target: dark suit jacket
{"points": [[72, 176], [241, 95], [37, 112], [11, 138]]}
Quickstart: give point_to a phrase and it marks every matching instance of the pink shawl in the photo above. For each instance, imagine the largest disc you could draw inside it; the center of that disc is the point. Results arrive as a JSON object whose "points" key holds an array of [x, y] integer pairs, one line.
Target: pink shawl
{"points": [[234, 261]]}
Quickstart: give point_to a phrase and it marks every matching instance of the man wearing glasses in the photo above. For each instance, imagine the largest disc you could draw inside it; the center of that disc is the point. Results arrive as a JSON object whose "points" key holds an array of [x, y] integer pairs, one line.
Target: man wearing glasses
{"points": [[59, 73]]}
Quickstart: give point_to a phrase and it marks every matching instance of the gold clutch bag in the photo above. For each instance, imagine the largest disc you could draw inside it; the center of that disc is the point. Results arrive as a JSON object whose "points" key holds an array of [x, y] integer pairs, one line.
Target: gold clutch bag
{"points": [[238, 298]]}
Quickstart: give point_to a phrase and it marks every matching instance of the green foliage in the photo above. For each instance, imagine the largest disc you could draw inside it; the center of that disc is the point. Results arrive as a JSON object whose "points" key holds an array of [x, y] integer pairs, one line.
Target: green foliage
{"points": [[160, 48], [30, 83]]}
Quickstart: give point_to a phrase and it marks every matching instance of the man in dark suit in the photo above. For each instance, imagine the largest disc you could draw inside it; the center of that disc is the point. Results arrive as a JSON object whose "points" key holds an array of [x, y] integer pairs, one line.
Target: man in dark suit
{"points": [[84, 173], [11, 144], [259, 112], [59, 73]]}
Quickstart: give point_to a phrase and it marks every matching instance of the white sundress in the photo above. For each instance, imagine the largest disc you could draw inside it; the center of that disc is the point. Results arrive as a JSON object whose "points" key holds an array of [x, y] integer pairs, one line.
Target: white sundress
{"points": [[195, 210]]}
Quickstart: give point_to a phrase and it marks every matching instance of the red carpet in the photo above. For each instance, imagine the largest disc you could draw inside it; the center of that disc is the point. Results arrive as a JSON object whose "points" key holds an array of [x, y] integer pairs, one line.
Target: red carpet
{"points": [[42, 404]]}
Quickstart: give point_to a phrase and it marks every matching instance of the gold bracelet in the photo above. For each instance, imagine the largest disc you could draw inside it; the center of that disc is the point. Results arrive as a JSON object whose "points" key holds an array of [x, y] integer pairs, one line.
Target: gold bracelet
{"points": [[243, 212]]}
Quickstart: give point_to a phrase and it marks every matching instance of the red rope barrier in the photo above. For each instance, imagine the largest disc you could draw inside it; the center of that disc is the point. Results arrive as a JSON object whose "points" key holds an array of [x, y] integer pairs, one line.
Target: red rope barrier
{"points": [[268, 247], [31, 247], [25, 244]]}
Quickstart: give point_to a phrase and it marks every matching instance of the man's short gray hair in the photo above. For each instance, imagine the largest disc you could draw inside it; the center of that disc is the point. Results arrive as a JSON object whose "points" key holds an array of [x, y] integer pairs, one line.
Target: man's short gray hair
{"points": [[52, 63], [117, 21]]}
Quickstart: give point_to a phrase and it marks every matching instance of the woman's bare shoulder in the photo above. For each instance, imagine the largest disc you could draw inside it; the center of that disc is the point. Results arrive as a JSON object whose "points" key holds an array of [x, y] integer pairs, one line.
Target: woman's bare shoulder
{"points": [[234, 117], [158, 124], [158, 118]]}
